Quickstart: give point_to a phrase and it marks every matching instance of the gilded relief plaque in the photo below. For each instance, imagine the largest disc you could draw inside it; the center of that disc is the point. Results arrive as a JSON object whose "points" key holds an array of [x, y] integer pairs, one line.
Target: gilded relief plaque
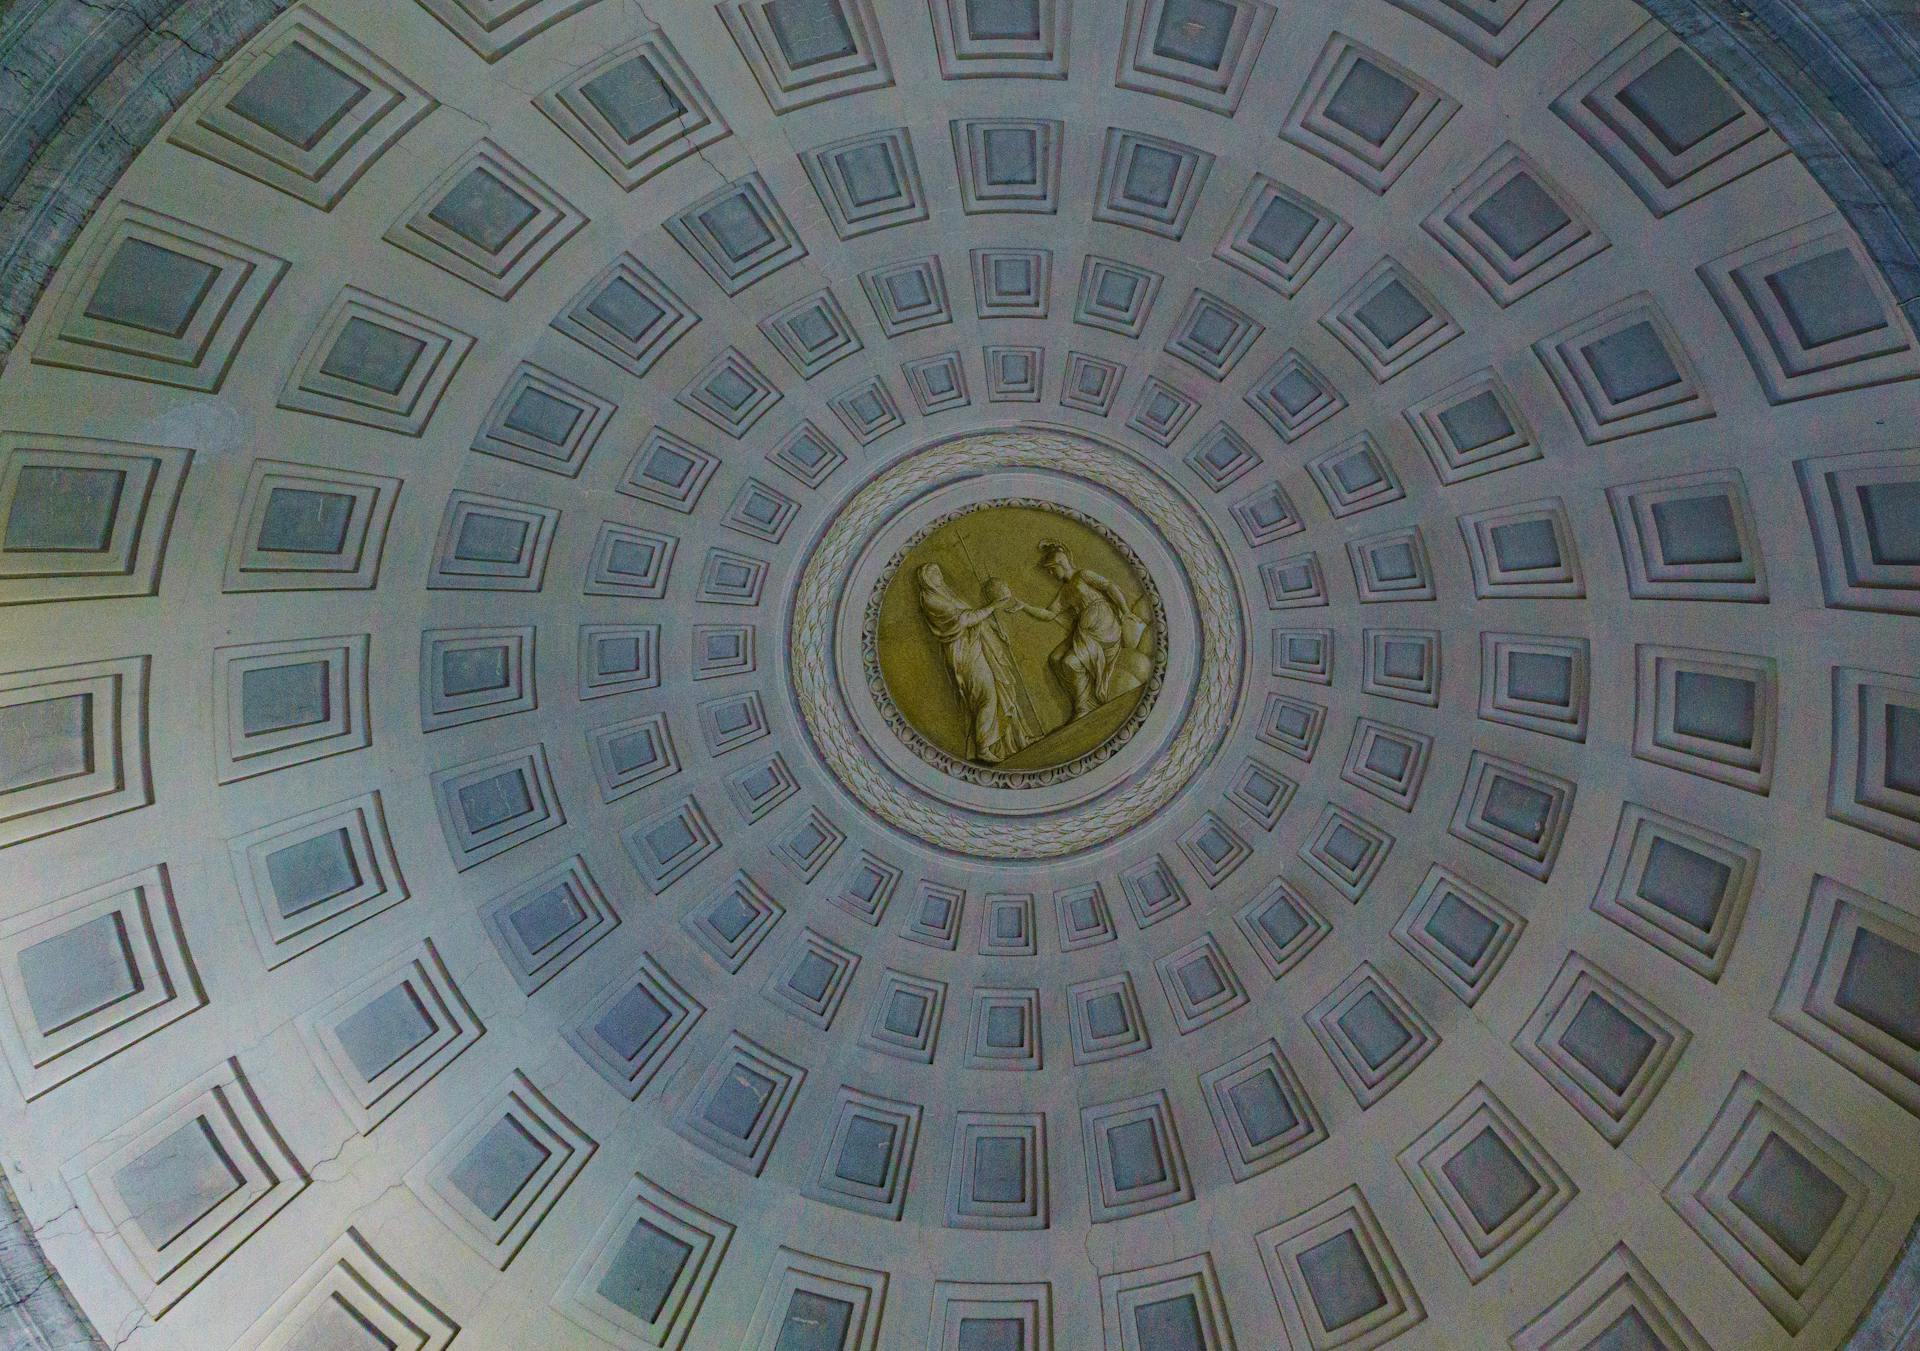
{"points": [[1020, 636]]}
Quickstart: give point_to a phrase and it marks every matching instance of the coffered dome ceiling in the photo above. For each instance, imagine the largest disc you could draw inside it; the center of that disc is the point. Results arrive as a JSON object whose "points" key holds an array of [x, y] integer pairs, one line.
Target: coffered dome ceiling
{"points": [[552, 795]]}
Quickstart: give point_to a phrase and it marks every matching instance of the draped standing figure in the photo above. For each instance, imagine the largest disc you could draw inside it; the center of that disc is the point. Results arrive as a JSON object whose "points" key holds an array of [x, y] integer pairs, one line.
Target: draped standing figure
{"points": [[981, 664]]}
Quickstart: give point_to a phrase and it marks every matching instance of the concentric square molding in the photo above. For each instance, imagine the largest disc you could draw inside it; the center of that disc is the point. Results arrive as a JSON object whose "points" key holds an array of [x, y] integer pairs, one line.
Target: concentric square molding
{"points": [[866, 1156], [1355, 476], [1261, 1110], [1211, 335], [669, 844], [1280, 237], [737, 1108], [307, 528], [1712, 714], [1293, 397], [1085, 920], [91, 974], [1366, 115], [1391, 567], [868, 410], [1514, 813], [1622, 371], [352, 1286], [1690, 537], [627, 315], [1116, 296], [1401, 664], [1387, 761], [1282, 926], [489, 806], [1875, 779], [1150, 183], [1813, 313], [1337, 1280], [1292, 725], [812, 980], [177, 1191], [618, 659], [73, 746], [1389, 321], [1022, 1312], [636, 110], [812, 334], [904, 1019], [1296, 582], [375, 363], [1488, 1184], [628, 1031], [544, 421], [1843, 992], [1604, 1049], [805, 56], [908, 296], [1854, 506], [731, 923], [1784, 1204], [1459, 932], [387, 1035], [1173, 1304], [305, 110], [1664, 122], [1012, 283], [1011, 45], [1091, 384], [1265, 515], [738, 234], [807, 455], [470, 675], [489, 220], [649, 1229], [1677, 886], [1008, 164], [633, 754], [157, 299], [805, 1294], [1490, 32], [1105, 1020], [84, 519], [1618, 1296], [1535, 681], [998, 1178], [544, 925], [276, 705], [502, 1169], [1512, 227], [495, 27], [1200, 984], [1524, 551], [629, 561], [729, 393], [313, 876], [1373, 1036], [1161, 412], [867, 182], [1135, 1162], [1198, 53], [1472, 427], [1261, 791]]}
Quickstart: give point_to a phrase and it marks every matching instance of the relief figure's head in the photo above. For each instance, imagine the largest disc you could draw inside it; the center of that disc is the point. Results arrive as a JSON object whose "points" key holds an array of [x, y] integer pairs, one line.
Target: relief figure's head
{"points": [[1055, 561]]}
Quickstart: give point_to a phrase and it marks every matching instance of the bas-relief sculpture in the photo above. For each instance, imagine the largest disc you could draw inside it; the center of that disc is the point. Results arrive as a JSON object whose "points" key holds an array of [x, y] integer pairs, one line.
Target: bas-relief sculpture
{"points": [[1011, 682]]}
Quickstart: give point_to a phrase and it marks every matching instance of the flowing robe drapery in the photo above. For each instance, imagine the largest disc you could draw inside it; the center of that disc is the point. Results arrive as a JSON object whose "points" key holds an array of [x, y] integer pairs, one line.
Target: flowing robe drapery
{"points": [[983, 673]]}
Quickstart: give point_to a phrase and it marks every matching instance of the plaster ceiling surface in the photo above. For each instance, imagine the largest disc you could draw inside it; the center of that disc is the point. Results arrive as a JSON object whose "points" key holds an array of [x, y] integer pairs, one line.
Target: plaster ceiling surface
{"points": [[451, 888]]}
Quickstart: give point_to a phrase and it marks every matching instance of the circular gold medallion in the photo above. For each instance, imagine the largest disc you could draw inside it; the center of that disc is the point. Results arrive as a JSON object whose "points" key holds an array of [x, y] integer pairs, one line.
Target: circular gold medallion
{"points": [[1018, 635]]}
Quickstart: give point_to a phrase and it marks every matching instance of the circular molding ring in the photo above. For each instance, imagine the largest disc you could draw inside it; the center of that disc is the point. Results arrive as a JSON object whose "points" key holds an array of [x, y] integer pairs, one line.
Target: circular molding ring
{"points": [[817, 601]]}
